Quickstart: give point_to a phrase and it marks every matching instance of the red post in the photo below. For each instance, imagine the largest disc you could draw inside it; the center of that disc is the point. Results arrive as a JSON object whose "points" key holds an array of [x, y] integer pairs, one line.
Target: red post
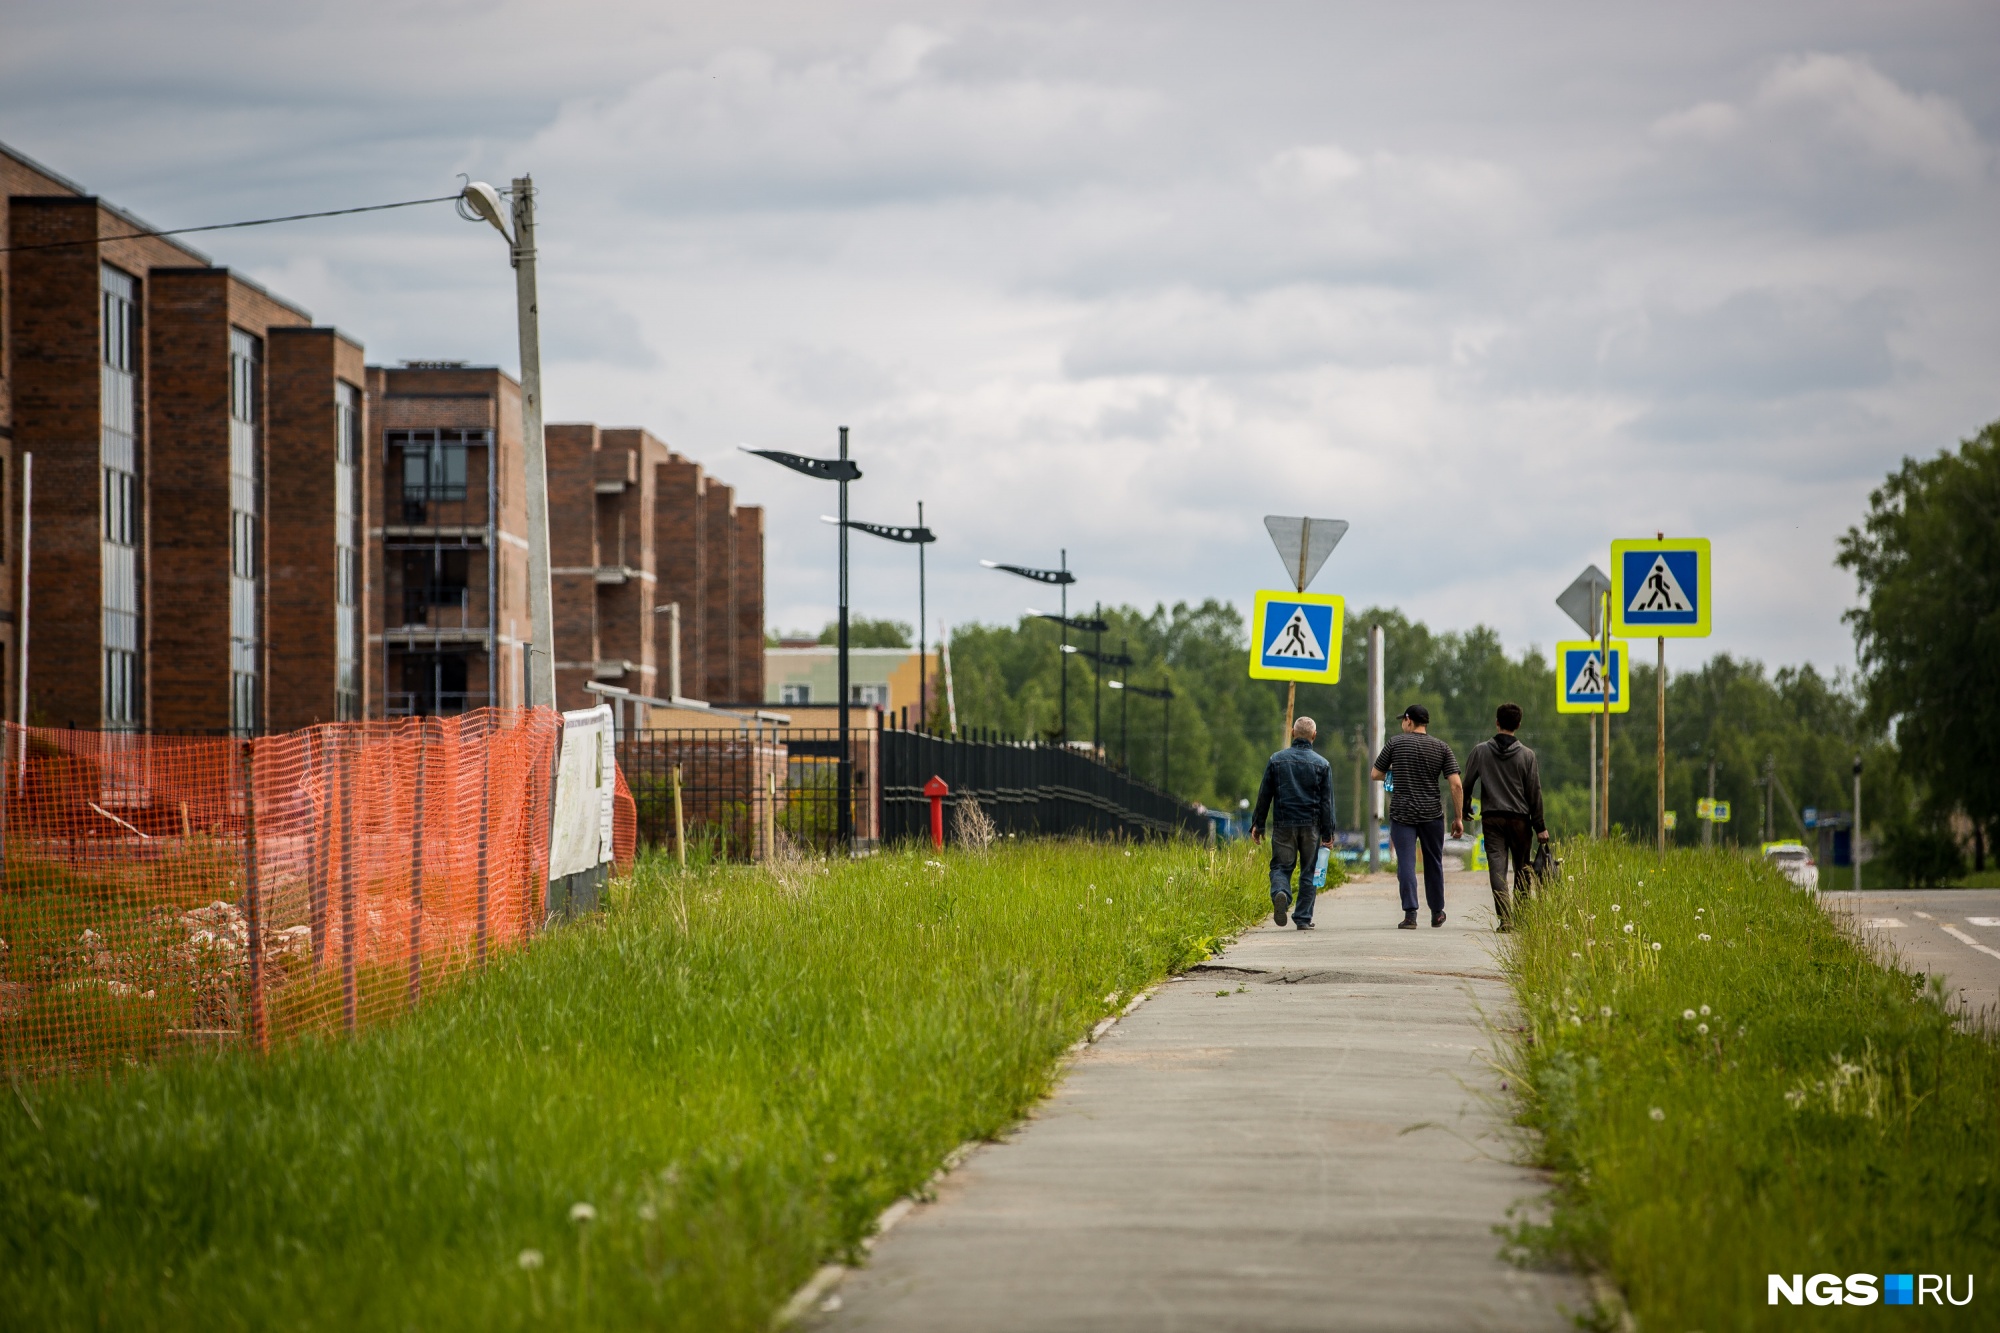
{"points": [[937, 791]]}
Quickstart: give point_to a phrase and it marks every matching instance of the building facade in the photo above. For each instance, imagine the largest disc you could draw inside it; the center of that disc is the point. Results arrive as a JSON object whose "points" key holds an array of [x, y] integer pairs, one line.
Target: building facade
{"points": [[191, 434], [658, 574]]}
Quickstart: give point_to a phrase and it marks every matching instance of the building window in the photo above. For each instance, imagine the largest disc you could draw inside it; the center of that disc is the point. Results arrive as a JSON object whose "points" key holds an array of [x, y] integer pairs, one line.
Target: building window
{"points": [[245, 392], [795, 694], [119, 465], [868, 694], [346, 553], [438, 577]]}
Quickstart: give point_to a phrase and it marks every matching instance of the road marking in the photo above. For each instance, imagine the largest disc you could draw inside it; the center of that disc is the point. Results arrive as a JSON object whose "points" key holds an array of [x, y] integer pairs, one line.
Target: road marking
{"points": [[1984, 920], [1964, 938], [1886, 923], [1925, 915]]}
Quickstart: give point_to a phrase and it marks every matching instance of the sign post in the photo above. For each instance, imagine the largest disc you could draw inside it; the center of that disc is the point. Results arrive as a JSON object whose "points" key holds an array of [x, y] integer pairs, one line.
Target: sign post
{"points": [[1583, 602], [1661, 587], [1303, 544]]}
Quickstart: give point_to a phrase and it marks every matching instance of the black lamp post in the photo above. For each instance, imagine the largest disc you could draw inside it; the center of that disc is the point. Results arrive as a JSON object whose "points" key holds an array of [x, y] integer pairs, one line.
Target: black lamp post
{"points": [[843, 471], [1103, 660], [1166, 698], [1062, 578], [919, 537]]}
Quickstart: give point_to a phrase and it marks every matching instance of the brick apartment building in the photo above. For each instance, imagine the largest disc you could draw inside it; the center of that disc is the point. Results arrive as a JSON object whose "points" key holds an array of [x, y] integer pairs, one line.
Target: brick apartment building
{"points": [[237, 525], [645, 548], [195, 559]]}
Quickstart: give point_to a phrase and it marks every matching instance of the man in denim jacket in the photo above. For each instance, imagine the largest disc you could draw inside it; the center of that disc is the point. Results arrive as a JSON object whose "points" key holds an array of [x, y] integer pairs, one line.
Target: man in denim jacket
{"points": [[1300, 784]]}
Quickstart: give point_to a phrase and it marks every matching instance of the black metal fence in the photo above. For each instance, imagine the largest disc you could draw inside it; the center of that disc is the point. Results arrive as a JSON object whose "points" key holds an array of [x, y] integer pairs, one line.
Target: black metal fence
{"points": [[742, 790], [1024, 787]]}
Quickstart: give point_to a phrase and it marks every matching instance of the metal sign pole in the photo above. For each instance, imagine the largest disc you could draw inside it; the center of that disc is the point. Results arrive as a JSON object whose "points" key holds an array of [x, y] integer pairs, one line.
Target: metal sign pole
{"points": [[1375, 740], [1604, 778]]}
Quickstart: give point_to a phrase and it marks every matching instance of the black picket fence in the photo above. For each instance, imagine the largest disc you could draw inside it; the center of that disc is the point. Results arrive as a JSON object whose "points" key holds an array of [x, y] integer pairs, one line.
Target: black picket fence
{"points": [[1024, 787]]}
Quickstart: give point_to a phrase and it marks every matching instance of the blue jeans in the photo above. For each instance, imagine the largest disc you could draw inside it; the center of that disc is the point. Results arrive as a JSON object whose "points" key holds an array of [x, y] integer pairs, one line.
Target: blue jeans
{"points": [[1295, 845], [1404, 838]]}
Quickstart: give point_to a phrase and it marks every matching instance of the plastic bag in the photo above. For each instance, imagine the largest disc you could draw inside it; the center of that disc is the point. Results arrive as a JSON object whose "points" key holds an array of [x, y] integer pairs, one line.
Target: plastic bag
{"points": [[1319, 867]]}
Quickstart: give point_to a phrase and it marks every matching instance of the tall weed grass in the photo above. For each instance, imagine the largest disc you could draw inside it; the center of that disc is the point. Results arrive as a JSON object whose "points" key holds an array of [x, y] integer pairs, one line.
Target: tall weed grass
{"points": [[732, 1071], [1728, 1087]]}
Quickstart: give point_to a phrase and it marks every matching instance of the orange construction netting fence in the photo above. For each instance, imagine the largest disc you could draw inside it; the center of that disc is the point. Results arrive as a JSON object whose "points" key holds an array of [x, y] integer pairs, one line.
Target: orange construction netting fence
{"points": [[161, 891]]}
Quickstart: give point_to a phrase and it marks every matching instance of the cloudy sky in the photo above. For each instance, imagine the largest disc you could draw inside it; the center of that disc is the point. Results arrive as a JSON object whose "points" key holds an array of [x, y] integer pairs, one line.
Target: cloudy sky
{"points": [[1496, 283]]}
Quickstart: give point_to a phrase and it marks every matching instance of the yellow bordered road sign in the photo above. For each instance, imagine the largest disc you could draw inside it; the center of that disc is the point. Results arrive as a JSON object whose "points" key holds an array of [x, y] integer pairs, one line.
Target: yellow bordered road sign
{"points": [[1296, 636], [1721, 815], [1705, 808], [1660, 587], [1580, 677]]}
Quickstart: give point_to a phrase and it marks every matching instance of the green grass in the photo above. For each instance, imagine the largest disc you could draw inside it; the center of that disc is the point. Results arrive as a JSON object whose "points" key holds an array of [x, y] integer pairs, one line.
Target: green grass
{"points": [[1831, 1119], [736, 1070]]}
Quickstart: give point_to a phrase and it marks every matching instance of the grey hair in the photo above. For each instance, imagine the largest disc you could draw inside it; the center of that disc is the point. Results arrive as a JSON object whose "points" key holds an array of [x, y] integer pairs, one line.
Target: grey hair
{"points": [[1305, 726]]}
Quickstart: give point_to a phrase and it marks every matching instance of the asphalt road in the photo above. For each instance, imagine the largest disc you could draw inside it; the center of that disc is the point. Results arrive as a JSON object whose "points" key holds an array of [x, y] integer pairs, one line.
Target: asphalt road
{"points": [[1951, 933]]}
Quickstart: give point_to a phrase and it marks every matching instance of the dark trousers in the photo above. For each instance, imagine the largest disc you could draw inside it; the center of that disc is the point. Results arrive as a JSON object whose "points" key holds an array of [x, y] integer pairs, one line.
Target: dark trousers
{"points": [[1510, 839], [1295, 845], [1404, 838]]}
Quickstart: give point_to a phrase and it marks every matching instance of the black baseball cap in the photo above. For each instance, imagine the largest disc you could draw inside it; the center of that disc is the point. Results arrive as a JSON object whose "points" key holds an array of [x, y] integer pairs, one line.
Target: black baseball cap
{"points": [[1418, 714]]}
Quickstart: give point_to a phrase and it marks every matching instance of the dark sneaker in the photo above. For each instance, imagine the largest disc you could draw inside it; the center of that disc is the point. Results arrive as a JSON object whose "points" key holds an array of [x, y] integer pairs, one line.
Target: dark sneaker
{"points": [[1407, 923], [1302, 925], [1280, 901], [1437, 918]]}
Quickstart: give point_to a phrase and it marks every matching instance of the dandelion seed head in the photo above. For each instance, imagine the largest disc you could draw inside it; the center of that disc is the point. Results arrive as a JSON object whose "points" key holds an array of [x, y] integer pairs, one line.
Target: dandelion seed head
{"points": [[1574, 954], [1577, 1021], [1628, 927], [1705, 1011], [1604, 1011], [1656, 946], [529, 1260], [1702, 938], [581, 1213], [648, 1213], [1614, 907], [828, 1158], [1688, 1014], [1107, 902], [1657, 1113], [1702, 1028]]}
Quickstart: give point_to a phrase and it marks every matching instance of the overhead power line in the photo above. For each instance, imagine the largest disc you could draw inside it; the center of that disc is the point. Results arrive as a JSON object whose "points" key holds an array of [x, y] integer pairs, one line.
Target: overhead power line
{"points": [[226, 226]]}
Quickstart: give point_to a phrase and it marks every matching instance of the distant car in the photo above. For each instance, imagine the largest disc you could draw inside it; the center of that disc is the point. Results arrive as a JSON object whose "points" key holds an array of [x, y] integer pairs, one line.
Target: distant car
{"points": [[1795, 862]]}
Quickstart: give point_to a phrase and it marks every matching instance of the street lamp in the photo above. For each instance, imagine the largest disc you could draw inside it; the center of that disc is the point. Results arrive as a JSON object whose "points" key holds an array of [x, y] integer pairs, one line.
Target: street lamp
{"points": [[483, 201], [1166, 697], [1062, 578], [1117, 659], [842, 470], [920, 537]]}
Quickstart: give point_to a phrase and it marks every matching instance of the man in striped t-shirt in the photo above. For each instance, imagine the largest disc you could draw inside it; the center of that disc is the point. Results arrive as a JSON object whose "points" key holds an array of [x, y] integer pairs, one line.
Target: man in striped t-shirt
{"points": [[1415, 761]]}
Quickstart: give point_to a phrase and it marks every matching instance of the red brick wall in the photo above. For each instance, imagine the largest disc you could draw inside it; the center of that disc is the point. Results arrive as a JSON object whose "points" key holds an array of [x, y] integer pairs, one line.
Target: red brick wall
{"points": [[749, 604], [574, 554], [680, 513], [302, 367], [719, 596], [54, 357]]}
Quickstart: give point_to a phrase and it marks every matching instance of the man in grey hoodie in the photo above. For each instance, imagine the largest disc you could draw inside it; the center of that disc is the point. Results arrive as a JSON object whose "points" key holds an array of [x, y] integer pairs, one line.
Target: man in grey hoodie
{"points": [[1511, 809]]}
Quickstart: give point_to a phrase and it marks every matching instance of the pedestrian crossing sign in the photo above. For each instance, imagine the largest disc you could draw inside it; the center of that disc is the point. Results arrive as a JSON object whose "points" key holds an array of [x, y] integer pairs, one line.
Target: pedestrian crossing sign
{"points": [[1296, 636], [1659, 588], [1581, 677]]}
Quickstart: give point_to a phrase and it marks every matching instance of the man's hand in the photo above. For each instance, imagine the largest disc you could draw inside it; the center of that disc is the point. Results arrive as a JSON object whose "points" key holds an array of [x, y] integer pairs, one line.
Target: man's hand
{"points": [[1544, 835], [1457, 828], [1256, 834]]}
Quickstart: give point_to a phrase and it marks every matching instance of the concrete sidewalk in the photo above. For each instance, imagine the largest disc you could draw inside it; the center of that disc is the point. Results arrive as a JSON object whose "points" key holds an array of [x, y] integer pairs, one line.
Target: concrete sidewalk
{"points": [[1311, 1150]]}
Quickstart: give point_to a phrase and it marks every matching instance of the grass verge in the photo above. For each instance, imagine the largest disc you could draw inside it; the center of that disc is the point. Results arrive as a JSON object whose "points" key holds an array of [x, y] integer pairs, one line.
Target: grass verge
{"points": [[732, 1072], [1727, 1087]]}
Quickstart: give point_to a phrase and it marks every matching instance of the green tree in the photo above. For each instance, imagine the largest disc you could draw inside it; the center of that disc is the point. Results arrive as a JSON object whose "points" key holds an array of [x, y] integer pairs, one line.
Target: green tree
{"points": [[1927, 559], [865, 633]]}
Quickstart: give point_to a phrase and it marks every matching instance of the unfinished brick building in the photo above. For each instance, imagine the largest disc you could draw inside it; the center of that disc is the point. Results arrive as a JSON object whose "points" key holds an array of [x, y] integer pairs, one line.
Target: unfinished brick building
{"points": [[194, 558], [648, 551]]}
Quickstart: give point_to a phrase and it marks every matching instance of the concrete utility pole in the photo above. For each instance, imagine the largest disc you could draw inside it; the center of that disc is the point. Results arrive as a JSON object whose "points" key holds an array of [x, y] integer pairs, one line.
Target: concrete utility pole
{"points": [[484, 201], [1375, 740], [541, 608], [1708, 825], [1854, 833]]}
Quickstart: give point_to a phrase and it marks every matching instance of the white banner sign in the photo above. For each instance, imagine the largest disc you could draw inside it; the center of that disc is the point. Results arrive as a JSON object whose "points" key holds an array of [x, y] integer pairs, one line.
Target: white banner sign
{"points": [[586, 780]]}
